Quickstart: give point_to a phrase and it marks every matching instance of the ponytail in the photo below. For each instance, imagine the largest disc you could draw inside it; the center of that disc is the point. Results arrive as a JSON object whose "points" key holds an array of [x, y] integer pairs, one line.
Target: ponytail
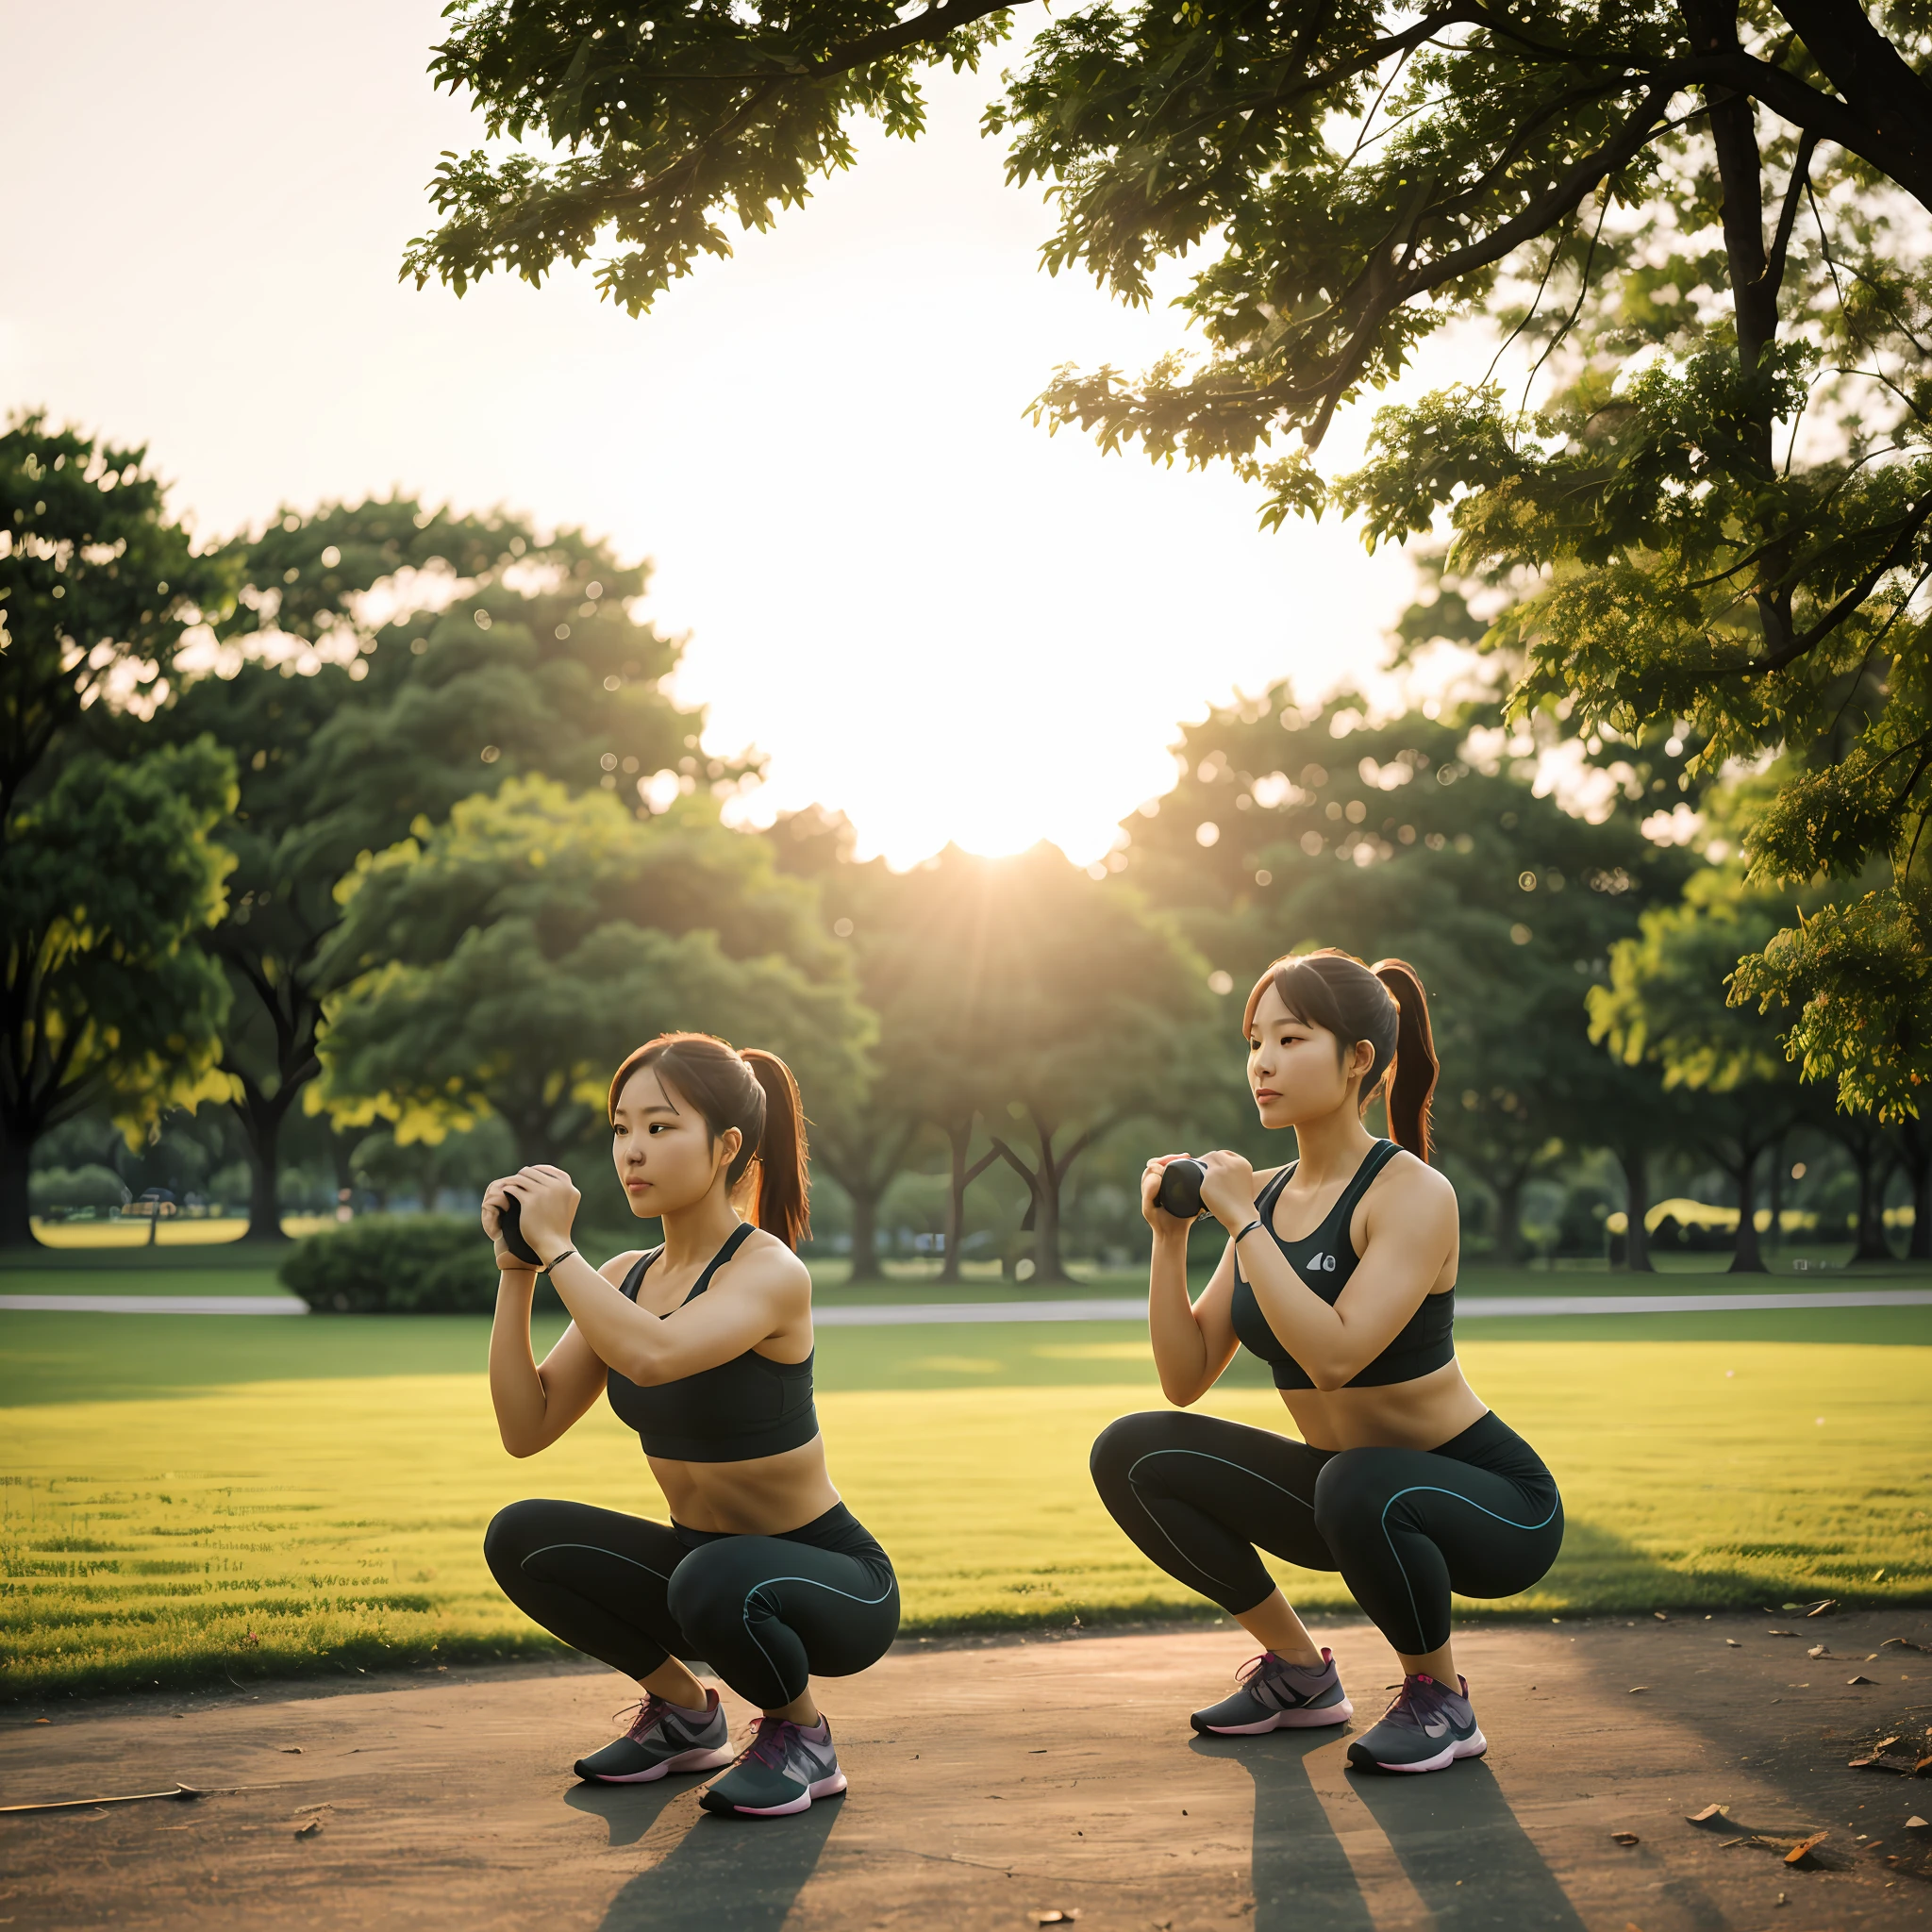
{"points": [[784, 1180], [754, 1093], [1412, 1080]]}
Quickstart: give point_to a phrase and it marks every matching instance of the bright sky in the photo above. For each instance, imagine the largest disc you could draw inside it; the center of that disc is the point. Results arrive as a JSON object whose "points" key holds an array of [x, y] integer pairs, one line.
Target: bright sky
{"points": [[926, 610]]}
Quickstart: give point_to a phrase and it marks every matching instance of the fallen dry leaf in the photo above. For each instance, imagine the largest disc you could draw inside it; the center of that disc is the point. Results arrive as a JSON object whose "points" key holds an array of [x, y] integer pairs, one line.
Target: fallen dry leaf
{"points": [[1861, 1680], [1904, 1644], [1917, 1824], [1924, 1765], [1659, 1616], [1780, 1633], [1624, 1837], [1885, 1743], [1819, 1610], [1709, 1815], [1805, 1847], [1818, 1650], [1635, 1689], [1734, 1643], [291, 1750], [310, 1830], [1055, 1915]]}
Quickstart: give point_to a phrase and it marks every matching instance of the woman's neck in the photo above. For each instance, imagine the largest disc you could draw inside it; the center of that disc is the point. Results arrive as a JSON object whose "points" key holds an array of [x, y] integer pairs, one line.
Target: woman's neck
{"points": [[1331, 1147], [694, 1234]]}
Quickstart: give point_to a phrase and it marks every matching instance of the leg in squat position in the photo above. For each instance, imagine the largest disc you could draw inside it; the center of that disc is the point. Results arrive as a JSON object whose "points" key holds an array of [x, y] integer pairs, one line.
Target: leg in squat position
{"points": [[599, 1580], [768, 1614], [1197, 1495], [1408, 1529]]}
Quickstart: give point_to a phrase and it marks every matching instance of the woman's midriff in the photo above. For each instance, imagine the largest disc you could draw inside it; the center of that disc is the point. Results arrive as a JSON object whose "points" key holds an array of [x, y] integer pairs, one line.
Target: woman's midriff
{"points": [[1401, 1415], [766, 1496]]}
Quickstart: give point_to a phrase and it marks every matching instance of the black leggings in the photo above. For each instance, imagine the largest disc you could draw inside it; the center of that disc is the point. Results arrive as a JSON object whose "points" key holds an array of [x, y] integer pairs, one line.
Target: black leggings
{"points": [[1479, 1514], [766, 1613]]}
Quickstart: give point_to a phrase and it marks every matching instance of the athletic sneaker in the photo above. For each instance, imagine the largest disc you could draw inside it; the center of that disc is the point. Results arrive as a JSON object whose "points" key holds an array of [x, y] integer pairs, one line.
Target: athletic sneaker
{"points": [[1427, 1728], [665, 1738], [1276, 1695], [782, 1770]]}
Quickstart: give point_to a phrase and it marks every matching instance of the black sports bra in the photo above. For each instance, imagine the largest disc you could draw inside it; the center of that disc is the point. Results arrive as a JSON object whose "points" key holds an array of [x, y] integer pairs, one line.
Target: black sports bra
{"points": [[740, 1410], [1324, 1260]]}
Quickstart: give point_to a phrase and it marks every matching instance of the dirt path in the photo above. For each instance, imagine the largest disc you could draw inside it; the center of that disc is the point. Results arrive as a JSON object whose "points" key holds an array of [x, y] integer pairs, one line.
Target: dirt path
{"points": [[993, 1781]]}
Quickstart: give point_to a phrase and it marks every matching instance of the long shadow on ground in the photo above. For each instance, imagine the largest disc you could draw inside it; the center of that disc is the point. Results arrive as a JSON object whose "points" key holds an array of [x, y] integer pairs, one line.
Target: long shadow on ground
{"points": [[723, 1876], [1302, 1876], [1473, 1864]]}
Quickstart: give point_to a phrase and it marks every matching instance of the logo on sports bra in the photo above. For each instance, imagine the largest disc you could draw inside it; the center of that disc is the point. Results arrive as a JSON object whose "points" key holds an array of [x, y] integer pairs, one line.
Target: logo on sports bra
{"points": [[1321, 1264]]}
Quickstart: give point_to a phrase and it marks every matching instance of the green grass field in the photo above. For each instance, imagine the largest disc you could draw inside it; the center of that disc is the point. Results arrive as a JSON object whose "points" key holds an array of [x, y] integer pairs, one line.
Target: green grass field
{"points": [[189, 1497]]}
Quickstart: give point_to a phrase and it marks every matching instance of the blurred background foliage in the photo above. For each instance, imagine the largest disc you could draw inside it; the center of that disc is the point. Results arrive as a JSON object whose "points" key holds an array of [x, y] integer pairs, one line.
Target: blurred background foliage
{"points": [[345, 861]]}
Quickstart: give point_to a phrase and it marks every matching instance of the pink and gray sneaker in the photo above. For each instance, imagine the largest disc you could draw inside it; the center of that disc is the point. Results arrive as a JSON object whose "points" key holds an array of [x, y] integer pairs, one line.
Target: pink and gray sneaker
{"points": [[1276, 1695], [664, 1737], [784, 1768], [1426, 1728]]}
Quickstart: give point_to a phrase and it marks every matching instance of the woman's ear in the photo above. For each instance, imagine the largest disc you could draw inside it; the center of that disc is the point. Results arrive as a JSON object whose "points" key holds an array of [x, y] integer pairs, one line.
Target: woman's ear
{"points": [[730, 1142]]}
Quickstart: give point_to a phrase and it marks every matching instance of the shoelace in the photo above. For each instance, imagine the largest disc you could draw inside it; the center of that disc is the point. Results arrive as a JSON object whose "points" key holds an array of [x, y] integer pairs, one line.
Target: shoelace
{"points": [[649, 1709], [769, 1746], [1415, 1702]]}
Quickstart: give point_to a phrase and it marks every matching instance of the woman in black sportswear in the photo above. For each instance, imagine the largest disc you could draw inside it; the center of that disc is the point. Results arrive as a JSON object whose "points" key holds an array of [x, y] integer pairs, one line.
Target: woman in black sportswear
{"points": [[705, 1347], [1340, 1272]]}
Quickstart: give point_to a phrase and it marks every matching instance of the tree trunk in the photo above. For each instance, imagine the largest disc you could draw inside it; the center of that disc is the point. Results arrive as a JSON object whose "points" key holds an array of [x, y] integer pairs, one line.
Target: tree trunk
{"points": [[16, 1208], [1635, 1161], [1746, 1256], [1874, 1171], [1047, 1265], [263, 1116], [1916, 1142], [865, 1232], [1508, 1222], [959, 1139], [1774, 1234], [264, 1175]]}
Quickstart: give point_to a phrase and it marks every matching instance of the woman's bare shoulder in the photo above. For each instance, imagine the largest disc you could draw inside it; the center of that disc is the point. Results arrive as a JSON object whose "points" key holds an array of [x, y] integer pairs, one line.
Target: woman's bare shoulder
{"points": [[614, 1270], [766, 1262], [1413, 1181]]}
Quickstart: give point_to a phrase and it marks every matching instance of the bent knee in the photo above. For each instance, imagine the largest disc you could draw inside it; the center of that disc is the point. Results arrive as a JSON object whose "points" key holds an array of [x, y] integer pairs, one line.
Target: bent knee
{"points": [[1352, 1488], [514, 1531], [1124, 1442], [707, 1588]]}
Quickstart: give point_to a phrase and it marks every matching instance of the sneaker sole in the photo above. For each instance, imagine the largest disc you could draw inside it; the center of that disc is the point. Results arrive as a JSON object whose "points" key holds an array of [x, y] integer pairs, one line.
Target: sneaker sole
{"points": [[832, 1787], [1309, 1717], [684, 1760], [1472, 1746]]}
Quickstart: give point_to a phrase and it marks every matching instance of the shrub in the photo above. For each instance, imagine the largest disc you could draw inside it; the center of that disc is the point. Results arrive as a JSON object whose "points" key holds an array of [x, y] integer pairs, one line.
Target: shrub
{"points": [[92, 1186], [389, 1264]]}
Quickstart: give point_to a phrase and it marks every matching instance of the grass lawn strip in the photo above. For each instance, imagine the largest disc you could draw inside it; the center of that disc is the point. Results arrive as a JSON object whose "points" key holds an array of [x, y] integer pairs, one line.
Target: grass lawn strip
{"points": [[333, 1522]]}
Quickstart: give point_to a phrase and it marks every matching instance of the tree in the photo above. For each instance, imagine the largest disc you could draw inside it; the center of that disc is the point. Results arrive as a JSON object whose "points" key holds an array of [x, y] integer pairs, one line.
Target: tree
{"points": [[98, 588], [1049, 1002], [535, 664], [1707, 202], [863, 1133], [1424, 838], [503, 964], [1665, 1004], [106, 876]]}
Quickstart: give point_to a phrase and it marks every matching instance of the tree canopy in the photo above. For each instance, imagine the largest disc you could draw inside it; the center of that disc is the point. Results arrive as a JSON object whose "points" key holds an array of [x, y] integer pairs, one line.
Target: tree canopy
{"points": [[535, 663], [1705, 219]]}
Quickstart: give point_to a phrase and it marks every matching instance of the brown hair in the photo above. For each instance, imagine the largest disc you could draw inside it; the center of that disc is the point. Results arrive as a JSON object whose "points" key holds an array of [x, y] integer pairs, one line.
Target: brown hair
{"points": [[1384, 1005], [753, 1092]]}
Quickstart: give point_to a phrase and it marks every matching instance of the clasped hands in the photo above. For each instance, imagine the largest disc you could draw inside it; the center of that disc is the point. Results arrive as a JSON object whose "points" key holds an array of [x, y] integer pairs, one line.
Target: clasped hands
{"points": [[547, 1201], [1228, 1190]]}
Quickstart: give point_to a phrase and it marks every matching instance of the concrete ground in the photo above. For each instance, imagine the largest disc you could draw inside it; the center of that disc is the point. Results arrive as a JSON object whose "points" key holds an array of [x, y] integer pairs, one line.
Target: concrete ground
{"points": [[994, 1783]]}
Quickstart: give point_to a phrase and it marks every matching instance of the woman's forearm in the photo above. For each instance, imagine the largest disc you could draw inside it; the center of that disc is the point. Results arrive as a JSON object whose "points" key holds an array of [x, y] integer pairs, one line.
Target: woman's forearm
{"points": [[619, 1332], [516, 1387], [1180, 1350]]}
